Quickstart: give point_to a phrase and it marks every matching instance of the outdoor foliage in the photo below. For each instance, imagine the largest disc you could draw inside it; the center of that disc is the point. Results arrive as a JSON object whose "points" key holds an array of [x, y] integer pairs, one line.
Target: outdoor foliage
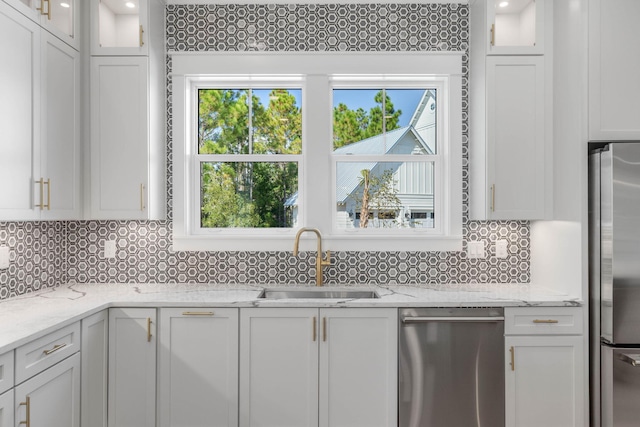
{"points": [[351, 126], [253, 194], [247, 194]]}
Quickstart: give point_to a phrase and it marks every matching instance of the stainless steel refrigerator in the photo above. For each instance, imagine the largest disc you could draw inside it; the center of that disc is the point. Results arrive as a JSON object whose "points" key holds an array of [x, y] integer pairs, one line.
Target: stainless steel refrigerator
{"points": [[614, 211]]}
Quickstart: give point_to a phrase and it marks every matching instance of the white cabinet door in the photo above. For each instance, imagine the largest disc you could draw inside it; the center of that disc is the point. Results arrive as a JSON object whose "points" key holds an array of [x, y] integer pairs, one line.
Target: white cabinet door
{"points": [[119, 137], [117, 29], [515, 138], [358, 367], [544, 381], [51, 398], [198, 376], [19, 114], [279, 367], [60, 18], [6, 409], [95, 341], [60, 137], [614, 66], [132, 367]]}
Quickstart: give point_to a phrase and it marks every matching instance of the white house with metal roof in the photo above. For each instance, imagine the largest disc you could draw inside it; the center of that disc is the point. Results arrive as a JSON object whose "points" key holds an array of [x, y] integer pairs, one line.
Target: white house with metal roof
{"points": [[411, 182]]}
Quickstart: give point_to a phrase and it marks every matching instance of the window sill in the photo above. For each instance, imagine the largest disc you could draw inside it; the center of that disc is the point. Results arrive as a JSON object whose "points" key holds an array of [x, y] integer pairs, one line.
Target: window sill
{"points": [[309, 243]]}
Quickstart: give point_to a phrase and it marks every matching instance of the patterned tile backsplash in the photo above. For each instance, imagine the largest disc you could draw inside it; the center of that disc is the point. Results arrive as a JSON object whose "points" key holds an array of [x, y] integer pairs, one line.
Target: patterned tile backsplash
{"points": [[47, 254]]}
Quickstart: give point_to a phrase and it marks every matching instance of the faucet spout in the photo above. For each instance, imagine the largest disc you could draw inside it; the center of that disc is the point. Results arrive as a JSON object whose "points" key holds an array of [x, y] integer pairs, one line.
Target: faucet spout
{"points": [[320, 262]]}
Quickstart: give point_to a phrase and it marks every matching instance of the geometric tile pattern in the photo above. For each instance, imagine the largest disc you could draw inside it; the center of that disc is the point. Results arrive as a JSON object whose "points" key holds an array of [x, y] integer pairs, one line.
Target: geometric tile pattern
{"points": [[37, 256], [46, 254], [144, 255], [316, 27]]}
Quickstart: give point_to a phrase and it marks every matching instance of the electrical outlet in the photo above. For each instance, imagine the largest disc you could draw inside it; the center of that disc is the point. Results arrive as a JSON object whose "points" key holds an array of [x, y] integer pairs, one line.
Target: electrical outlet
{"points": [[110, 249], [4, 257], [475, 249], [501, 249]]}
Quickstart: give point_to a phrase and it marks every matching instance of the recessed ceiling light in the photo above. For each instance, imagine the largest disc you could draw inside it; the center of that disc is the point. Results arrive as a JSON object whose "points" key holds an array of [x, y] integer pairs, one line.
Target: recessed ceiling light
{"points": [[130, 4], [65, 5], [503, 4]]}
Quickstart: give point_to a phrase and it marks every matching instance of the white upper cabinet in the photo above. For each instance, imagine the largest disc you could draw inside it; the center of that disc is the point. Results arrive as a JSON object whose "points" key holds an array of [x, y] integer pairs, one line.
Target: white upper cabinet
{"points": [[515, 27], [60, 131], [119, 27], [39, 118], [119, 138], [614, 67], [19, 115], [510, 115], [60, 17], [516, 134]]}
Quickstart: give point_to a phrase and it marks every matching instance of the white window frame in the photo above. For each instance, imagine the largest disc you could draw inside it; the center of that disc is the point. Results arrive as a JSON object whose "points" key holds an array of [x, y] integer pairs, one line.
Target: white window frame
{"points": [[317, 166]]}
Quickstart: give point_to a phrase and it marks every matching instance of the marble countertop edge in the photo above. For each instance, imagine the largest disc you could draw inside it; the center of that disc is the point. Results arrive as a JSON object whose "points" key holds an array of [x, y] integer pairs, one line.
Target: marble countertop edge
{"points": [[33, 315]]}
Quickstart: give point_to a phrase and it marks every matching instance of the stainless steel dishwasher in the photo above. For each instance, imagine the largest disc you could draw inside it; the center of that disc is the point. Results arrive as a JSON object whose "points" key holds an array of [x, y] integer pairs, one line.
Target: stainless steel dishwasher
{"points": [[451, 367]]}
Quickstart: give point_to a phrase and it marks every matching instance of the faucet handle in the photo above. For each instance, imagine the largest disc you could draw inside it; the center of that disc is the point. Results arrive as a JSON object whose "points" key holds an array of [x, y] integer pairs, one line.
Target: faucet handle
{"points": [[327, 260]]}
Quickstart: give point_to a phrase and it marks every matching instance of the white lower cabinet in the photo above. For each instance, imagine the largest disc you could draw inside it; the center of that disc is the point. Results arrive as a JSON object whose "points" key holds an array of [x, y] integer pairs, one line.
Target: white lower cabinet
{"points": [[309, 367], [51, 398], [198, 375], [95, 341], [6, 409], [132, 367], [544, 374]]}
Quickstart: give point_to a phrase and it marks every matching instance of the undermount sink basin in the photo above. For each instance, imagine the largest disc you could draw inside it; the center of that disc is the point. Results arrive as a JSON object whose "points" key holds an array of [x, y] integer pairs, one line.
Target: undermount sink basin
{"points": [[310, 293]]}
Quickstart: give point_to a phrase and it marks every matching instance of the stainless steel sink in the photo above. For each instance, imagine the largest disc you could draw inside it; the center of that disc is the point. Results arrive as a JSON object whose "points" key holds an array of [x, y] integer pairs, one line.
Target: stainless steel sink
{"points": [[311, 293]]}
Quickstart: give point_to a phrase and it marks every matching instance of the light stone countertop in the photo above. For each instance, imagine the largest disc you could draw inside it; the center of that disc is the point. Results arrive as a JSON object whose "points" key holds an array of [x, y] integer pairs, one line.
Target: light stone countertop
{"points": [[33, 315]]}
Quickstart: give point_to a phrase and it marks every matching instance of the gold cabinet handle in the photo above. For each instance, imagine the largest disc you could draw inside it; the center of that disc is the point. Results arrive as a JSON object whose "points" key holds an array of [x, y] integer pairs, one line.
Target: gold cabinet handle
{"points": [[324, 329], [141, 32], [493, 34], [48, 184], [315, 326], [148, 329], [27, 421], [41, 182], [41, 9], [141, 197], [197, 313], [545, 321], [54, 349], [513, 358]]}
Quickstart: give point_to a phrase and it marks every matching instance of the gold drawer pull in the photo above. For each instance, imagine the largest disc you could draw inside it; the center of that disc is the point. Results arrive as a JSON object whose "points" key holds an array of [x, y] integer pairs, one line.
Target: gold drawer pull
{"points": [[27, 421], [546, 321], [197, 313], [141, 40], [54, 349]]}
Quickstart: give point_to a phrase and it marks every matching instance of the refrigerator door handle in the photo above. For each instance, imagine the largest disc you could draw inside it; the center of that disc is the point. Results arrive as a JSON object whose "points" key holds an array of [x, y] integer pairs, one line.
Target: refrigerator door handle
{"points": [[631, 359]]}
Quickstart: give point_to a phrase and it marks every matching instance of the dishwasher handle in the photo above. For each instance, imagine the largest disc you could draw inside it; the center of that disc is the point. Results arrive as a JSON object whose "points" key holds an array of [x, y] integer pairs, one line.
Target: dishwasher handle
{"points": [[418, 319]]}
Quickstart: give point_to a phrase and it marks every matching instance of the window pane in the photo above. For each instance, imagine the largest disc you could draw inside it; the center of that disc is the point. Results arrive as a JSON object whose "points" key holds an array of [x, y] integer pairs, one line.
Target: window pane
{"points": [[276, 121], [406, 127], [248, 194], [223, 121], [387, 194], [224, 126]]}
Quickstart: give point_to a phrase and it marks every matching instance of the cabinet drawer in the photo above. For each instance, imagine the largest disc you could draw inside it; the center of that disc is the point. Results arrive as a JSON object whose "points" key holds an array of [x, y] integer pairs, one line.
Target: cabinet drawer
{"points": [[543, 320], [6, 371], [38, 355]]}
